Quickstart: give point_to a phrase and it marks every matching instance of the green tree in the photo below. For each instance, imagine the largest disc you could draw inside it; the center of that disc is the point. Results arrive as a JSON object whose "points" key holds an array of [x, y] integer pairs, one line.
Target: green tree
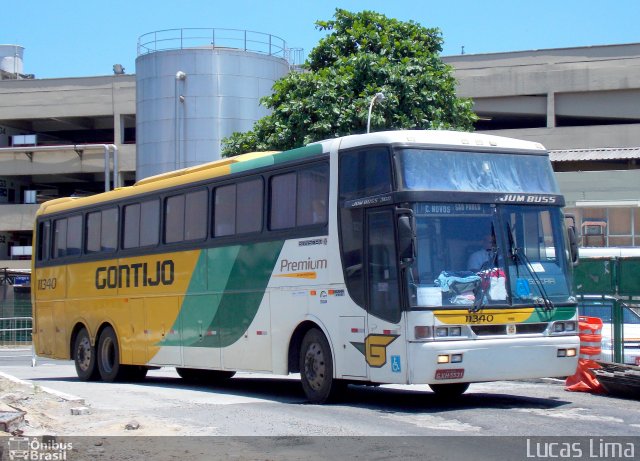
{"points": [[362, 54]]}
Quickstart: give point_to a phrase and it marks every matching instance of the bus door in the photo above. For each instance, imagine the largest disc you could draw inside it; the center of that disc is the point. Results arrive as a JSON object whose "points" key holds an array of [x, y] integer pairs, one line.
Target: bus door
{"points": [[385, 350]]}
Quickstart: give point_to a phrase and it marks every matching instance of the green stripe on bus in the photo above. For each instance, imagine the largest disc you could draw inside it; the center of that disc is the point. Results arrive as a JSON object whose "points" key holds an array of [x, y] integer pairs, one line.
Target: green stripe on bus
{"points": [[559, 313], [267, 160], [297, 154], [282, 157], [234, 280]]}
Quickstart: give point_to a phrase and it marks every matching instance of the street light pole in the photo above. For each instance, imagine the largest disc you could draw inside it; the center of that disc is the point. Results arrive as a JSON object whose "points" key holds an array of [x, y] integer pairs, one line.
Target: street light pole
{"points": [[377, 98]]}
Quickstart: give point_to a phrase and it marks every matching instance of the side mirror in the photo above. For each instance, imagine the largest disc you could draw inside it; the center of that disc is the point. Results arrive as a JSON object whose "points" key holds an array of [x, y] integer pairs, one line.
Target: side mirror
{"points": [[573, 245], [406, 237]]}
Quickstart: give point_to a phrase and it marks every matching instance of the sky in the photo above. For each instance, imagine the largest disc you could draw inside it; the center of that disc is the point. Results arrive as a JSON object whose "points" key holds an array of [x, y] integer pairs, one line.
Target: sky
{"points": [[73, 38]]}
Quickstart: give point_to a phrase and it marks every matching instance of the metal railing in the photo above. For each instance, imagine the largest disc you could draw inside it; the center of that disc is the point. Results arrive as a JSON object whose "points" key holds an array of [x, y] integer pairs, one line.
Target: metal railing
{"points": [[246, 40], [16, 339]]}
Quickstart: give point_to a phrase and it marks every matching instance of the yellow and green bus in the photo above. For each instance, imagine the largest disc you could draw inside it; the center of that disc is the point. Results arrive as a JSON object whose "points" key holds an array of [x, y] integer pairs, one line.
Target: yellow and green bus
{"points": [[347, 261]]}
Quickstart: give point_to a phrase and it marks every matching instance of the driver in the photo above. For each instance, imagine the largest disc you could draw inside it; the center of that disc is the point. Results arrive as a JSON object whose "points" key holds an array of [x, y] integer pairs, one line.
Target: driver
{"points": [[479, 259]]}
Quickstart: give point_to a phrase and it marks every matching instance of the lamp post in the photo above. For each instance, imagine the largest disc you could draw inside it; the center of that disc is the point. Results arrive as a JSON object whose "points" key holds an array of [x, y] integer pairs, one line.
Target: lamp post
{"points": [[377, 98]]}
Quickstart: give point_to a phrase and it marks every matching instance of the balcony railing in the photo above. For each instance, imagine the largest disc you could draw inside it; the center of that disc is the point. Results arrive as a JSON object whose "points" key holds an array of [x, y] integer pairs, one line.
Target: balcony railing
{"points": [[246, 40]]}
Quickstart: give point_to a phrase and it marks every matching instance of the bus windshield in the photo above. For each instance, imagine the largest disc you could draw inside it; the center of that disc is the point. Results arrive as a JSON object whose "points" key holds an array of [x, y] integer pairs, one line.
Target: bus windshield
{"points": [[475, 171], [472, 254]]}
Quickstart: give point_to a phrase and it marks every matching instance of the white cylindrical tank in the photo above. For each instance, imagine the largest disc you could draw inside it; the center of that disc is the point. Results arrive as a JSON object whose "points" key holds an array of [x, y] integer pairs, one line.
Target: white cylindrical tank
{"points": [[190, 96], [11, 59]]}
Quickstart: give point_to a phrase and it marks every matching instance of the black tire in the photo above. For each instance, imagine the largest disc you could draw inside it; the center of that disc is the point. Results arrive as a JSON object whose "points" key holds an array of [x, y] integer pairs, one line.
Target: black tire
{"points": [[108, 355], [316, 369], [449, 391], [197, 376], [84, 357]]}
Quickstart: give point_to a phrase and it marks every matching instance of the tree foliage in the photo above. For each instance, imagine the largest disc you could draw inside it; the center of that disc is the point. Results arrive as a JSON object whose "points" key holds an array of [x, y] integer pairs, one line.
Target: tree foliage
{"points": [[363, 53]]}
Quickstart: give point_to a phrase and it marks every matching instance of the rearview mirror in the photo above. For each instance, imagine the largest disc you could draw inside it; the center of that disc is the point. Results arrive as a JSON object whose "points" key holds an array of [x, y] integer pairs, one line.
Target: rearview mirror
{"points": [[573, 245], [406, 237]]}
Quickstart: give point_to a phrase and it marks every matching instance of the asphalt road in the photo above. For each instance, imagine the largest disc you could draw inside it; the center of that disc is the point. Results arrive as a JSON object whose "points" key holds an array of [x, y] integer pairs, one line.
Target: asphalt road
{"points": [[263, 405]]}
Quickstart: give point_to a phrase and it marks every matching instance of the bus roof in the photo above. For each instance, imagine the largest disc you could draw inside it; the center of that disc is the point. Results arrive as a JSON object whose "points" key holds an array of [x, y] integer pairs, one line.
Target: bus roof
{"points": [[438, 138], [253, 160], [183, 176]]}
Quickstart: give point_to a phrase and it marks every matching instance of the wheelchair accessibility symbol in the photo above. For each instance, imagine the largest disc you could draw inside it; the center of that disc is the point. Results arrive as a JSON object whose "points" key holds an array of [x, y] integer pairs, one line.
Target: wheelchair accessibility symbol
{"points": [[395, 364]]}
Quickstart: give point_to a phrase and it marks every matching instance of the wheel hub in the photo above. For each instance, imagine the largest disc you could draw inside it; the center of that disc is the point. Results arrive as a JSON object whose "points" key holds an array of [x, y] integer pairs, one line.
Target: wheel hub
{"points": [[315, 366], [84, 354]]}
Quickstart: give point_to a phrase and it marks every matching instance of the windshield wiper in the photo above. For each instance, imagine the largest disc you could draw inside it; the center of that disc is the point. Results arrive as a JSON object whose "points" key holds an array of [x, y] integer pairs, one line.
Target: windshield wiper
{"points": [[492, 261], [520, 257]]}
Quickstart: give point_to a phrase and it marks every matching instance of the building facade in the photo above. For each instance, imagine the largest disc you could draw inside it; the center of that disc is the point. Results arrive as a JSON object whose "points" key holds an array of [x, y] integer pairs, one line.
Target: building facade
{"points": [[581, 103]]}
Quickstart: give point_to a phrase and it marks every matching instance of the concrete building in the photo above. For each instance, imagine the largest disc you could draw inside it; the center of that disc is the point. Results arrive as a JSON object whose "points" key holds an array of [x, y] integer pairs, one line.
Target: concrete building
{"points": [[584, 105], [60, 114], [581, 103]]}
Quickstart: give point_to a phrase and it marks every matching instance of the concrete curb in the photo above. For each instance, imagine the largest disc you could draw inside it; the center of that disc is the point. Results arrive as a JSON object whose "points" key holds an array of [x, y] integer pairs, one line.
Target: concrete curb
{"points": [[48, 390]]}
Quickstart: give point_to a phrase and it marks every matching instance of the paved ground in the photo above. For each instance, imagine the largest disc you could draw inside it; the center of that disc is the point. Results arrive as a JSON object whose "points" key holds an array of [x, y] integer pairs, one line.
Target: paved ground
{"points": [[262, 405]]}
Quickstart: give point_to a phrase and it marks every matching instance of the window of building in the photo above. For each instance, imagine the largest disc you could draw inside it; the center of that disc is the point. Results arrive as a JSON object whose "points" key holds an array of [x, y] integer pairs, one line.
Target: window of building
{"points": [[619, 221], [611, 226]]}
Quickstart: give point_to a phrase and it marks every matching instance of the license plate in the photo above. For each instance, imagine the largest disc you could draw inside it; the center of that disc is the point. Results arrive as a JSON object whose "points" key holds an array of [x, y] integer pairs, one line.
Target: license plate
{"points": [[454, 373]]}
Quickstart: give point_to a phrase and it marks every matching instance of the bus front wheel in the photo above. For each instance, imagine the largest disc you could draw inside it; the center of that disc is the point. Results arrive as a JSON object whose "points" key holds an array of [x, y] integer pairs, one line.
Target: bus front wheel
{"points": [[449, 391], [108, 355], [316, 368], [84, 356]]}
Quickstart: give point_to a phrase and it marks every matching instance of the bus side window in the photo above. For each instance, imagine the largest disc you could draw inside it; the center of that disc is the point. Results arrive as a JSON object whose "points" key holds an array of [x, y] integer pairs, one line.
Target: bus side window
{"points": [[74, 235], [195, 215], [141, 224], [249, 206], [59, 238], [313, 194], [174, 219], [44, 240], [238, 208], [224, 210], [101, 231], [365, 173], [283, 201]]}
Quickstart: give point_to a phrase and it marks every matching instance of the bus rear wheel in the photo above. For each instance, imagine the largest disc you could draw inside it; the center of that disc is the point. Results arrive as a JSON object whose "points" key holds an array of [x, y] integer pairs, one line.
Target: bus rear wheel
{"points": [[108, 355], [197, 376], [316, 368], [449, 391], [84, 357]]}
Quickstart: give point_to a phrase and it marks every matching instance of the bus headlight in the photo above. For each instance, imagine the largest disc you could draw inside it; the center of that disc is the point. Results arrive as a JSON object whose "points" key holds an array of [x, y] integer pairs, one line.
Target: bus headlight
{"points": [[448, 332], [568, 327]]}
